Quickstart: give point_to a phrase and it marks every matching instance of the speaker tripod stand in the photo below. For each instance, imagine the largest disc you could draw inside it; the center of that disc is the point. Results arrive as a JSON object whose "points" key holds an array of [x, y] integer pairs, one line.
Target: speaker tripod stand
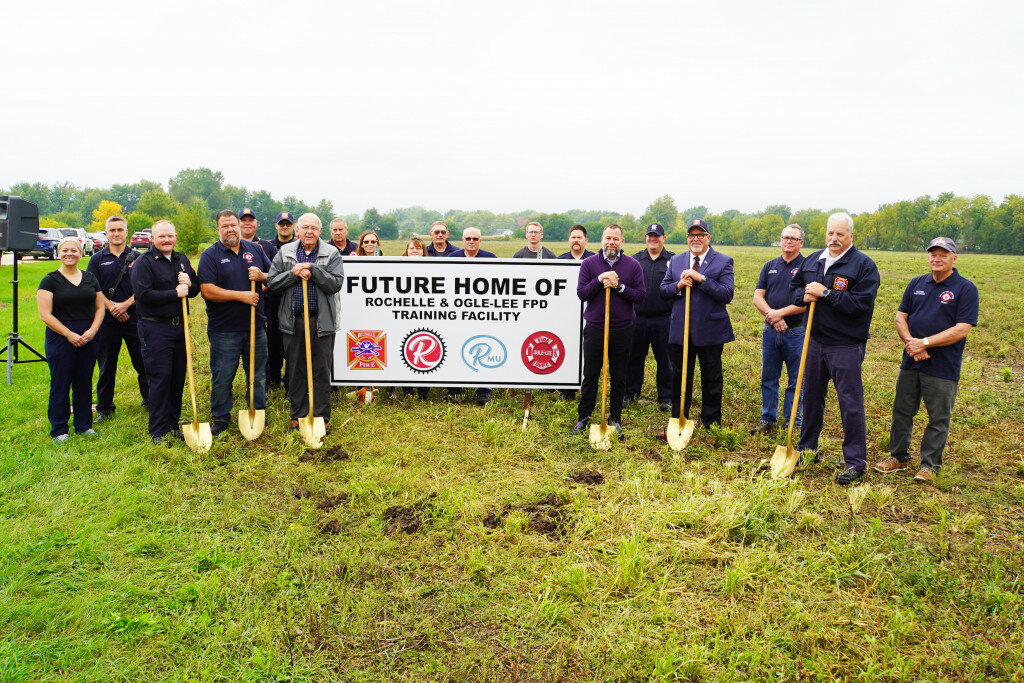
{"points": [[14, 340]]}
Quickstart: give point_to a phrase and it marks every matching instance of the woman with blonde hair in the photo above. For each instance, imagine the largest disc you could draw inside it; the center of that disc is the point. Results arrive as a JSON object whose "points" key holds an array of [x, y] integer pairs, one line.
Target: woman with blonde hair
{"points": [[69, 304], [369, 244]]}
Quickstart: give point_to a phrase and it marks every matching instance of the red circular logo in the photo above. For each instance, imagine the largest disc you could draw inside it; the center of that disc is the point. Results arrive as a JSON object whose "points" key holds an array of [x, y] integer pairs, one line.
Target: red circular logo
{"points": [[423, 350], [247, 256], [543, 353]]}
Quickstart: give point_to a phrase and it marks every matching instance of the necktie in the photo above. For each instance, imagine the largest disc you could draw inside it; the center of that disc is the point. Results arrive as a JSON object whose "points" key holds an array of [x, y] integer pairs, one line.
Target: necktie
{"points": [[696, 262]]}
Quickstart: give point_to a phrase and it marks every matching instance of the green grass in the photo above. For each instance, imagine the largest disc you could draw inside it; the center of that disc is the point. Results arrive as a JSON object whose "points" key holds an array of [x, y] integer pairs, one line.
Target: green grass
{"points": [[125, 561]]}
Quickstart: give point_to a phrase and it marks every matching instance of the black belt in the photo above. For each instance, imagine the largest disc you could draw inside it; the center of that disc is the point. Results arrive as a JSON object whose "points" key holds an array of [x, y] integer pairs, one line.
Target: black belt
{"points": [[176, 320]]}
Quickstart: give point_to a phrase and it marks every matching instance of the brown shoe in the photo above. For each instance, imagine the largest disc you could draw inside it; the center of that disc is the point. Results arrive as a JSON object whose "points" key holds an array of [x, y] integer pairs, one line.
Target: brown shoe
{"points": [[925, 474], [891, 464], [661, 435], [293, 425]]}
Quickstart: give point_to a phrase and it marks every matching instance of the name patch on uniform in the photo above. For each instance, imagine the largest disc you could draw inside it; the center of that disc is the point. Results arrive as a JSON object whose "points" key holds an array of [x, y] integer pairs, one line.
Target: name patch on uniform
{"points": [[248, 257], [946, 297], [840, 284], [918, 292], [770, 272]]}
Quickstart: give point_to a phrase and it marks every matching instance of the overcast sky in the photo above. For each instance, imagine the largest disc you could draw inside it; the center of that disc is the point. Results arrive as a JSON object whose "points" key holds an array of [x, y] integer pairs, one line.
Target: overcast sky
{"points": [[541, 105]]}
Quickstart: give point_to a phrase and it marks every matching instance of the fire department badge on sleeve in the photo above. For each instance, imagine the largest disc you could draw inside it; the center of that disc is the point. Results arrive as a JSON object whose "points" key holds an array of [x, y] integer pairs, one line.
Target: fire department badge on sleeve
{"points": [[840, 284]]}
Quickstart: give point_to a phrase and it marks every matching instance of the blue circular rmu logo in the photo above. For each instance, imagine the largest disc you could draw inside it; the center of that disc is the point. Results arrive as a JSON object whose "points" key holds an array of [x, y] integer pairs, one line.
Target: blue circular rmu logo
{"points": [[484, 352]]}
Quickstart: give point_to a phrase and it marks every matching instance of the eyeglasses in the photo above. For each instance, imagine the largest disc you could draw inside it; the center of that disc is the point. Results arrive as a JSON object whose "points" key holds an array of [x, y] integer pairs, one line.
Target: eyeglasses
{"points": [[470, 239], [439, 232], [792, 239], [696, 238], [370, 242]]}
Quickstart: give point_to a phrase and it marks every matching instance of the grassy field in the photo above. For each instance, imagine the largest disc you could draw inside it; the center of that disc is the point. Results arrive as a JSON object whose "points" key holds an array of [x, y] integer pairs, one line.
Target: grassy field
{"points": [[436, 541]]}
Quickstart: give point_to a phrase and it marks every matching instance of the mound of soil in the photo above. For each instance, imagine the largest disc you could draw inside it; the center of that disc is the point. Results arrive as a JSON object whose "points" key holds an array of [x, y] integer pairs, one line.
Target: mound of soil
{"points": [[301, 492], [331, 454], [406, 519], [592, 477], [330, 527], [546, 517], [331, 502]]}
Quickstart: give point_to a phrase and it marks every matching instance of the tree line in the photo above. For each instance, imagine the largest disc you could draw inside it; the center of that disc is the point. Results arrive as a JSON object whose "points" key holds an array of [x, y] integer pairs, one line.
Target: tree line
{"points": [[194, 196]]}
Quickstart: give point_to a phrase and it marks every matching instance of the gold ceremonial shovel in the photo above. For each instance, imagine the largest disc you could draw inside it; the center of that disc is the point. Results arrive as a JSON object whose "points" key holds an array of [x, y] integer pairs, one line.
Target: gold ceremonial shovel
{"points": [[311, 428], [252, 421], [197, 434], [679, 429], [784, 459], [600, 435]]}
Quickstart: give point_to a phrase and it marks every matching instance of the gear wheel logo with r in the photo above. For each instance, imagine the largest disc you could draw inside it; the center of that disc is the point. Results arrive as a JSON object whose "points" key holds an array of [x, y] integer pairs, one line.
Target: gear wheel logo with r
{"points": [[423, 350]]}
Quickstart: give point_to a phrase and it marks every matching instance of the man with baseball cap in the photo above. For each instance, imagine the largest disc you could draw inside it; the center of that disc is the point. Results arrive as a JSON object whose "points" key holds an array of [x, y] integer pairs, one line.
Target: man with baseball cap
{"points": [[933, 319], [248, 224], [652, 322], [275, 344], [709, 275]]}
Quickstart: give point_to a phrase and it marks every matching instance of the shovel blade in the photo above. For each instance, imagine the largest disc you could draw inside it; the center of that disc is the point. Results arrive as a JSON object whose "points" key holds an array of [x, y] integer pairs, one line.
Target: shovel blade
{"points": [[678, 433], [197, 436], [601, 437], [251, 424], [783, 461], [313, 431]]}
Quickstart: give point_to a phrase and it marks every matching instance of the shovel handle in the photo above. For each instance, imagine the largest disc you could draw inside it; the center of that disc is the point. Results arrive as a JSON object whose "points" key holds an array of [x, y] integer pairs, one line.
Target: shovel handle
{"points": [[799, 378], [604, 365], [188, 362], [252, 356], [686, 356], [309, 358]]}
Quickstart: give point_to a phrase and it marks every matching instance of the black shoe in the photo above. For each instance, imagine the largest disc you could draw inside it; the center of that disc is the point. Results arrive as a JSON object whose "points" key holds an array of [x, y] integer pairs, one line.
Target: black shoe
{"points": [[627, 401], [848, 476], [664, 406], [483, 400], [161, 440], [102, 415], [177, 434], [763, 428], [617, 426], [815, 459], [581, 426], [218, 427]]}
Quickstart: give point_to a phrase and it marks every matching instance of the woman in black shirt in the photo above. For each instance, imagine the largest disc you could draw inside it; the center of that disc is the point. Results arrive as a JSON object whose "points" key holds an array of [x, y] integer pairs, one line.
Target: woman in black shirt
{"points": [[69, 304]]}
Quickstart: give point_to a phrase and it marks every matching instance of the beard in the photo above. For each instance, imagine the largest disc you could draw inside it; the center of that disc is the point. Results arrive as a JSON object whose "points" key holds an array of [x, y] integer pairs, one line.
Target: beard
{"points": [[610, 253]]}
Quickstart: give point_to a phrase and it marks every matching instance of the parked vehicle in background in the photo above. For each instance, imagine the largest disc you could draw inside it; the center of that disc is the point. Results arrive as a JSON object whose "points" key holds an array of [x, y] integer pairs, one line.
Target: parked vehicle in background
{"points": [[99, 240], [46, 244], [143, 238], [84, 241]]}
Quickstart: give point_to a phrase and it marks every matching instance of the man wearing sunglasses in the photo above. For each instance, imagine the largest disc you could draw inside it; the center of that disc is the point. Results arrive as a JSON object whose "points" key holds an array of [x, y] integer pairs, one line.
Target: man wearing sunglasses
{"points": [[782, 339], [439, 244], [471, 249]]}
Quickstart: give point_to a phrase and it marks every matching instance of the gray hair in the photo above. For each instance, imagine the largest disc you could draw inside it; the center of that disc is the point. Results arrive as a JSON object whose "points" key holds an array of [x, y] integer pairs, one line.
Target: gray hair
{"points": [[339, 221], [471, 228], [310, 214], [840, 216], [796, 227]]}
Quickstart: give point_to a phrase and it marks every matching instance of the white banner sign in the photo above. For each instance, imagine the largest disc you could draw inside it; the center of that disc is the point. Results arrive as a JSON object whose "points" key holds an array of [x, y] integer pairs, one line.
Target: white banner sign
{"points": [[459, 322]]}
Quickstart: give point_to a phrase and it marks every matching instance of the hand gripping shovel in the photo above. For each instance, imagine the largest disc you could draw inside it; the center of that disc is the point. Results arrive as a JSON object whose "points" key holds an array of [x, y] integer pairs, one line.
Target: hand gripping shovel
{"points": [[197, 434], [600, 435], [784, 459], [680, 429], [252, 421], [311, 428]]}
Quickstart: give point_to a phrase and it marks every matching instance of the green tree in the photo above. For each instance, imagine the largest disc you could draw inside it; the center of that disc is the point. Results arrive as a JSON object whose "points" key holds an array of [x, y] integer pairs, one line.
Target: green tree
{"points": [[662, 210], [128, 195], [198, 183], [780, 210], [693, 213], [194, 227], [138, 221], [158, 204]]}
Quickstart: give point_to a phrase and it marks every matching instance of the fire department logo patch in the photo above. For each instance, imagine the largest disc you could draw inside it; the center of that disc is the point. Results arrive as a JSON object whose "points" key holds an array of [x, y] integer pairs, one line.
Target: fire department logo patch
{"points": [[840, 284], [793, 272], [543, 353], [946, 297], [367, 350], [247, 256]]}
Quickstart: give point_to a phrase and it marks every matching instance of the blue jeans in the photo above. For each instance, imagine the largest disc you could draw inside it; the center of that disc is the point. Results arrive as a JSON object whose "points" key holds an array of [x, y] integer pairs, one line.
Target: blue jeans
{"points": [[778, 348], [226, 348]]}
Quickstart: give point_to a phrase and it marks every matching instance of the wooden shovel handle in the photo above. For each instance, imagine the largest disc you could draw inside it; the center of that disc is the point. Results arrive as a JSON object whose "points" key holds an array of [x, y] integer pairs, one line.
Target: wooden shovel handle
{"points": [[252, 356], [800, 377], [604, 366]]}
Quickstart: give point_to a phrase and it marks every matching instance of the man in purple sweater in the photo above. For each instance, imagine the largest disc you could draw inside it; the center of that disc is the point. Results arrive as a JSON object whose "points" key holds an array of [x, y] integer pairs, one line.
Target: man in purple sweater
{"points": [[609, 269]]}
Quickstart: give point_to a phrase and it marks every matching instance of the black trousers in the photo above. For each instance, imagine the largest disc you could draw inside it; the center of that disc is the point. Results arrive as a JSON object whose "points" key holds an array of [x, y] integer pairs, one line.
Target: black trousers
{"points": [[650, 333], [70, 371], [619, 342], [321, 350], [710, 381], [163, 354], [275, 343], [109, 339]]}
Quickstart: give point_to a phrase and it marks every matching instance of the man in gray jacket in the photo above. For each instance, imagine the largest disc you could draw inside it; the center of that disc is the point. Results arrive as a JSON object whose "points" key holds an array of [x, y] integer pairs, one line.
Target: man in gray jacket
{"points": [[308, 258]]}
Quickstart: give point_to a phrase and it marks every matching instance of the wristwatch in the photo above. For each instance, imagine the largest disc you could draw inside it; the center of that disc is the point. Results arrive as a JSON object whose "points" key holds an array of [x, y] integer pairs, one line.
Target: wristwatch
{"points": [[925, 341], [824, 293]]}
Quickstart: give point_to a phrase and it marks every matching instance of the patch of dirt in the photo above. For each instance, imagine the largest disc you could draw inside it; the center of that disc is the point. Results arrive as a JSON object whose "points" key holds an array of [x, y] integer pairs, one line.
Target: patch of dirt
{"points": [[342, 571], [331, 502], [547, 516], [654, 454], [301, 492], [587, 477], [332, 454], [331, 527], [406, 519]]}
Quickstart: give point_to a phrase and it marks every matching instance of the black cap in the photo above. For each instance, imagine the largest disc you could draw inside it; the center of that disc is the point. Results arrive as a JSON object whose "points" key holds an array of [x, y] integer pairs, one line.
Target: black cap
{"points": [[698, 223], [656, 229], [246, 213], [942, 243], [285, 217]]}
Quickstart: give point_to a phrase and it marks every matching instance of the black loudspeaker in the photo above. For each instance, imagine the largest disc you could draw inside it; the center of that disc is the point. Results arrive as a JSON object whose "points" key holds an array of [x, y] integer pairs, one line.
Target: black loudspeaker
{"points": [[19, 224]]}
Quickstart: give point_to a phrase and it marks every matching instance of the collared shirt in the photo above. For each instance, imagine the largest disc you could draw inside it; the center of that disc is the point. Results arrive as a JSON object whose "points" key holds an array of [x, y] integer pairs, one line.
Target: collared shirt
{"points": [[844, 316], [448, 250], [314, 304], [108, 268], [701, 256], [221, 266], [654, 272], [829, 259], [932, 307], [568, 255], [776, 279], [268, 247], [482, 253], [155, 282], [591, 290]]}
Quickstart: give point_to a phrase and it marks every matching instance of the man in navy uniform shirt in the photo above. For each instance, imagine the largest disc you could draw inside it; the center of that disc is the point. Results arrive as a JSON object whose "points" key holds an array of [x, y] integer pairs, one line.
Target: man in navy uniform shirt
{"points": [[339, 237], [248, 224], [275, 345], [226, 269], [439, 244], [577, 244], [934, 317], [652, 320], [611, 269], [782, 339], [844, 282], [120, 323], [161, 277], [709, 274], [471, 246]]}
